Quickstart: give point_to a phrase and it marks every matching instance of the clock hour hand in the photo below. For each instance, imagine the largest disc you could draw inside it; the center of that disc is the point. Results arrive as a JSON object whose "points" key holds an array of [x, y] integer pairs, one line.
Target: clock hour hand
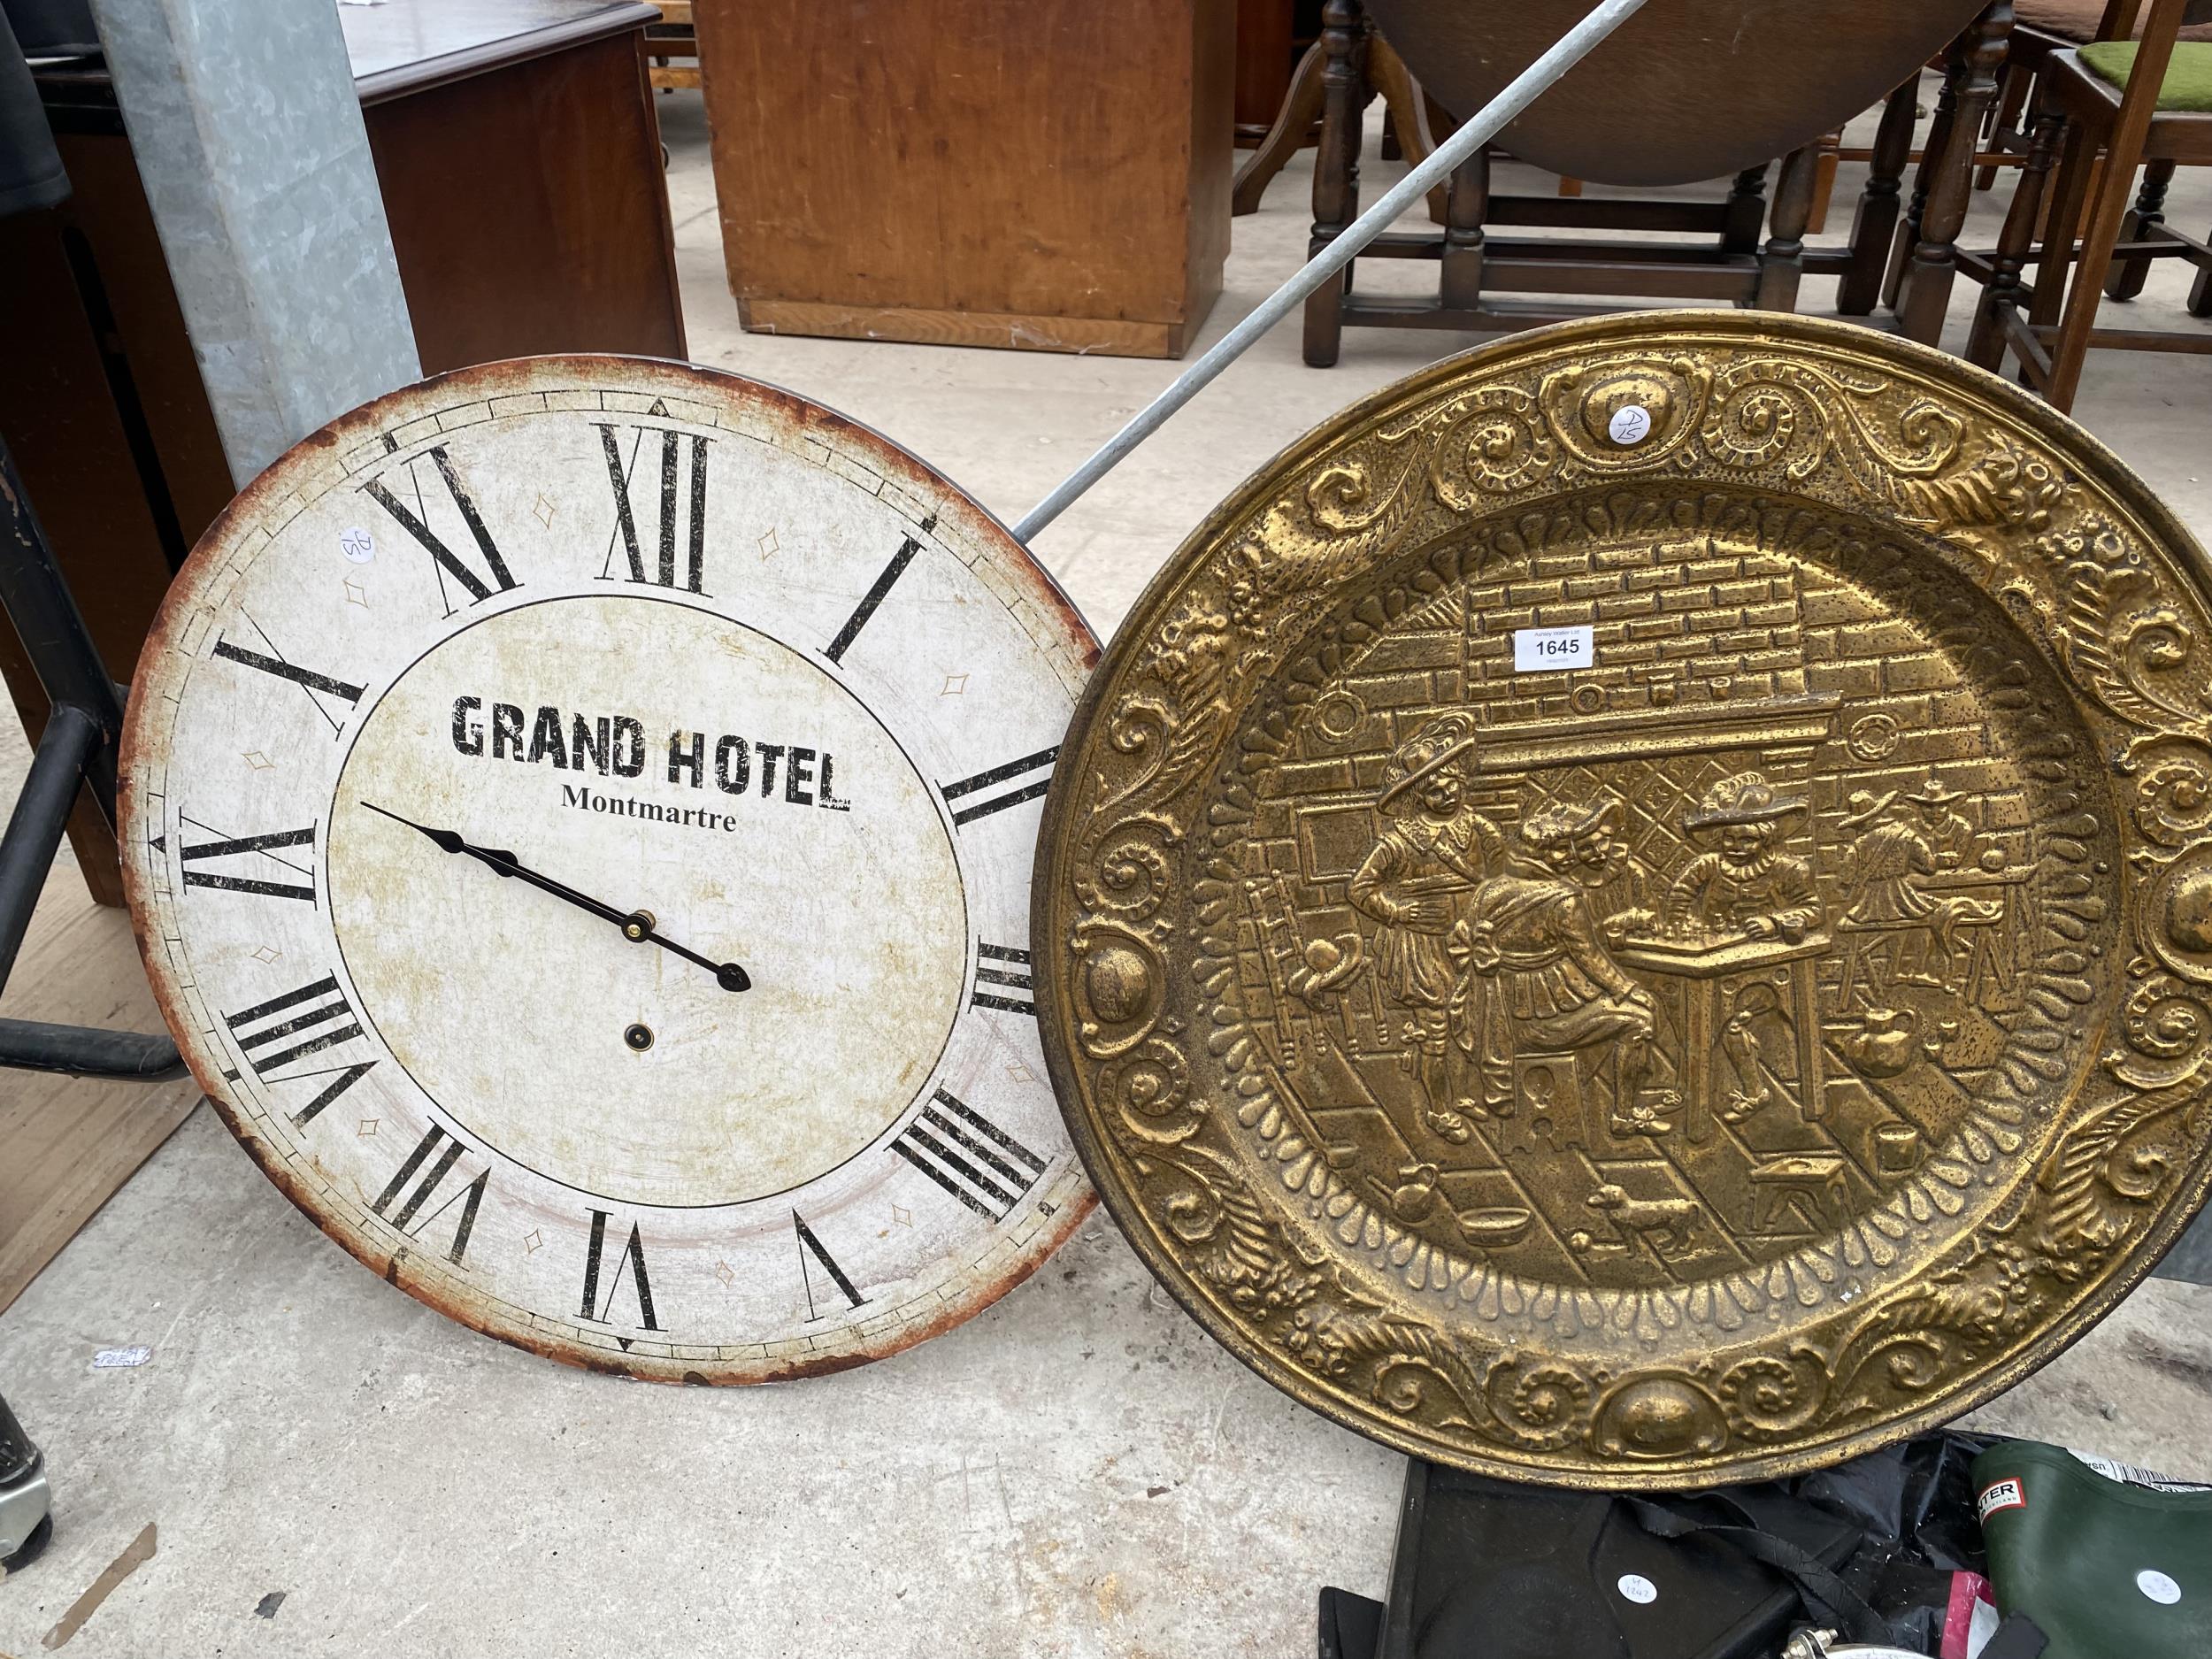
{"points": [[637, 925]]}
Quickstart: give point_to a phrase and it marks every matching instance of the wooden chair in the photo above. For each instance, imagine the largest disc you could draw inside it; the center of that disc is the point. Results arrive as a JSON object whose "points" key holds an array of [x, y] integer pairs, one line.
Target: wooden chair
{"points": [[1643, 112], [2147, 102], [2040, 27]]}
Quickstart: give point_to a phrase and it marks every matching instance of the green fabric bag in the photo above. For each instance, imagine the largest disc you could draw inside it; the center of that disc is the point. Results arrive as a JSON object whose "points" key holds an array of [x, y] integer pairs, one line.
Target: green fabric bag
{"points": [[2109, 1568], [2188, 88]]}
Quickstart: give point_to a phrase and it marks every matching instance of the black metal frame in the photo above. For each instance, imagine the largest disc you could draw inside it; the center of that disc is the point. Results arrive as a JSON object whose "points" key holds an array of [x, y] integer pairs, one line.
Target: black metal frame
{"points": [[77, 750]]}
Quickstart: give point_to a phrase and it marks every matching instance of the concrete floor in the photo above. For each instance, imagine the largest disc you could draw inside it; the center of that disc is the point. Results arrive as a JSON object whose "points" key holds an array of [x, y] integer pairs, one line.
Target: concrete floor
{"points": [[1078, 1472]]}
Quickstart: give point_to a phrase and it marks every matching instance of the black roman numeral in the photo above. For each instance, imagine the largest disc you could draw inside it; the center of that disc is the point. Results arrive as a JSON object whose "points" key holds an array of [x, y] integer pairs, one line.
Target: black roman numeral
{"points": [[809, 1243], [346, 1077], [272, 661], [292, 1026], [876, 594], [469, 1196], [593, 1309], [244, 847], [446, 561], [969, 1155], [1003, 979], [1039, 762], [619, 474]]}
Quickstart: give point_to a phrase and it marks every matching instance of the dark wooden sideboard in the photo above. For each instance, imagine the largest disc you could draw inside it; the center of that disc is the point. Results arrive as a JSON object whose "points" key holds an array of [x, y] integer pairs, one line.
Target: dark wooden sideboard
{"points": [[518, 153]]}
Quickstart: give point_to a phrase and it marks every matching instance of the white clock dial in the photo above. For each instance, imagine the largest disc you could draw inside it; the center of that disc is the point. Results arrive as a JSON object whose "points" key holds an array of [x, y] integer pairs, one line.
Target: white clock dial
{"points": [[579, 815]]}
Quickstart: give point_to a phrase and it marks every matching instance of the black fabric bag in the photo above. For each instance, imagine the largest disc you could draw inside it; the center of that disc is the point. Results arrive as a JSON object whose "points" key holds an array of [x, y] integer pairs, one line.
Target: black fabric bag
{"points": [[1490, 1569]]}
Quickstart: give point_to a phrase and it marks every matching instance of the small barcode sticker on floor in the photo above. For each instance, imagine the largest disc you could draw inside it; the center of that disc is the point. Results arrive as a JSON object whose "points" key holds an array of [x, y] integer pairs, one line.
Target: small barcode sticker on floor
{"points": [[1536, 650]]}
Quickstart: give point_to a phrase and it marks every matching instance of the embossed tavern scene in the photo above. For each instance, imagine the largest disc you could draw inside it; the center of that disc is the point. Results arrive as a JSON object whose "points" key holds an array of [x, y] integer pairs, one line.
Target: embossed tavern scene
{"points": [[1778, 1019]]}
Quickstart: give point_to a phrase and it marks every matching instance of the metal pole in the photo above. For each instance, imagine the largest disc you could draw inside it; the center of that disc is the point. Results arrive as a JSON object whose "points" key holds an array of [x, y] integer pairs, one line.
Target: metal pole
{"points": [[1571, 48]]}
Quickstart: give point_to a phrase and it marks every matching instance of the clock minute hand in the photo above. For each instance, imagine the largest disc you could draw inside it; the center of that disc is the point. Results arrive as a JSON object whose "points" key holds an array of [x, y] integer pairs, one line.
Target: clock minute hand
{"points": [[505, 863], [636, 926]]}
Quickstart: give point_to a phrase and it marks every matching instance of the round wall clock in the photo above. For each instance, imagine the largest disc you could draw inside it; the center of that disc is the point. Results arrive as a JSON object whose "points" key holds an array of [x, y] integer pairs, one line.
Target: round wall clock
{"points": [[579, 822], [1636, 909]]}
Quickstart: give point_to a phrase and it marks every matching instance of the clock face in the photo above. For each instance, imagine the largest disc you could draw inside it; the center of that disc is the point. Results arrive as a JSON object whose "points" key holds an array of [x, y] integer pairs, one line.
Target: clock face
{"points": [[578, 819]]}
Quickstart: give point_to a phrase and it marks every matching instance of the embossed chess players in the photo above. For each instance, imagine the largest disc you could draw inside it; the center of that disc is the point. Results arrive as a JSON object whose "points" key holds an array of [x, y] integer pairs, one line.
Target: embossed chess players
{"points": [[1778, 1030], [1748, 885], [1558, 992]]}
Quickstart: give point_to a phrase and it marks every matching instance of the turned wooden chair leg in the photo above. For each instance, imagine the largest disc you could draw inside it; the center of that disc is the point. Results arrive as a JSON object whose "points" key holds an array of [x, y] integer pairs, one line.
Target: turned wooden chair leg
{"points": [[2129, 274], [1336, 168], [1875, 221], [2001, 296], [2005, 122], [1302, 106], [2077, 171], [1925, 286], [1924, 177]]}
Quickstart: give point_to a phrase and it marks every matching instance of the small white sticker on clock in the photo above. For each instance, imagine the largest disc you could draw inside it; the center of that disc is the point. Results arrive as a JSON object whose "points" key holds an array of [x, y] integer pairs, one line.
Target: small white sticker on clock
{"points": [[1541, 650], [357, 544]]}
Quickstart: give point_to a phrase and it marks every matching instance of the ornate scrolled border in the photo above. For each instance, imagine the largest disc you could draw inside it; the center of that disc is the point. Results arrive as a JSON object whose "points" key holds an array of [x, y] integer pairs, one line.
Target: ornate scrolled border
{"points": [[1166, 1094]]}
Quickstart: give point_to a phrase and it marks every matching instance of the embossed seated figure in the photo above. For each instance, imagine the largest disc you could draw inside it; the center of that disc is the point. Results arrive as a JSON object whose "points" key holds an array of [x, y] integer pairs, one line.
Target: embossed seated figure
{"points": [[1891, 860], [1532, 944], [1413, 883], [1747, 885], [1950, 835]]}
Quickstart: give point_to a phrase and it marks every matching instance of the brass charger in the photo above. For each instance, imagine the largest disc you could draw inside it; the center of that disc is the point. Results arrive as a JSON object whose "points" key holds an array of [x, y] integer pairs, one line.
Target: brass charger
{"points": [[1635, 911]]}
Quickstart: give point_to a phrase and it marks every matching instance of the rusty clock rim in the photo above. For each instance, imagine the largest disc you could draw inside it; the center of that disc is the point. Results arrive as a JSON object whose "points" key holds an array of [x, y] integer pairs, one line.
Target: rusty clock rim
{"points": [[1658, 328], [352, 424]]}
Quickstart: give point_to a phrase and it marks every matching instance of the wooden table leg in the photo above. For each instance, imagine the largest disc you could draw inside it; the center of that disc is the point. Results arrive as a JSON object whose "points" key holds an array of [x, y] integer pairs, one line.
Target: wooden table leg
{"points": [[1876, 222], [1812, 1072], [1461, 281], [1746, 210], [1925, 285], [1301, 107], [1697, 1061], [1335, 169], [1781, 262], [1402, 95], [1828, 159]]}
